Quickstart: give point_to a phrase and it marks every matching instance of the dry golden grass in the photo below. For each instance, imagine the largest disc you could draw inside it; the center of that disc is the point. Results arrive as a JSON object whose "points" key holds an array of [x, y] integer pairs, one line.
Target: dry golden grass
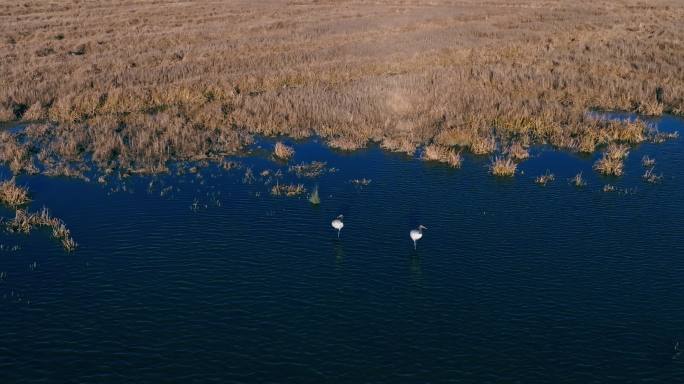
{"points": [[612, 161], [483, 145], [609, 166], [282, 151], [134, 85], [501, 166], [434, 152], [13, 195], [517, 152]]}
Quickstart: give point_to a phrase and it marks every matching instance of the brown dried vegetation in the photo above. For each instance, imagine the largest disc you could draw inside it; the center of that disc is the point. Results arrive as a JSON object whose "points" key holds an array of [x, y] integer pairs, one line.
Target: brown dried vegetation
{"points": [[13, 195], [501, 166], [435, 152], [282, 151], [24, 222], [136, 84], [612, 161]]}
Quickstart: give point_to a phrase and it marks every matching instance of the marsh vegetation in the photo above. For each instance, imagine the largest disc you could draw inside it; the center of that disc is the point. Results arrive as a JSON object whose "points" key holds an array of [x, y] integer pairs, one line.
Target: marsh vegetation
{"points": [[13, 195], [24, 222], [132, 85], [578, 181], [289, 190], [282, 151], [612, 161], [545, 178], [502, 166]]}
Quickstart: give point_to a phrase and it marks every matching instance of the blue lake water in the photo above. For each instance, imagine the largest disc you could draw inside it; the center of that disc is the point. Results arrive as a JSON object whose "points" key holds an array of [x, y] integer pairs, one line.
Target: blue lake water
{"points": [[205, 278]]}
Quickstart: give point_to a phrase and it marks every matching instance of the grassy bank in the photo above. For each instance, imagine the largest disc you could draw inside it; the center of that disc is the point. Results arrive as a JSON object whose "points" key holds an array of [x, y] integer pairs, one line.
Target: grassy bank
{"points": [[133, 85]]}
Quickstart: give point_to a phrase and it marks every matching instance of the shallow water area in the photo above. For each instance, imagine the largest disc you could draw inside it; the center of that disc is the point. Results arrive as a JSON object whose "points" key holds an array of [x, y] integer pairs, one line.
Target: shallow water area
{"points": [[203, 276]]}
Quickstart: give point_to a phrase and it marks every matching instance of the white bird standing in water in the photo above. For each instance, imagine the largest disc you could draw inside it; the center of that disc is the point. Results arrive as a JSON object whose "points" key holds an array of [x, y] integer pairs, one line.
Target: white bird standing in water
{"points": [[338, 224], [416, 234]]}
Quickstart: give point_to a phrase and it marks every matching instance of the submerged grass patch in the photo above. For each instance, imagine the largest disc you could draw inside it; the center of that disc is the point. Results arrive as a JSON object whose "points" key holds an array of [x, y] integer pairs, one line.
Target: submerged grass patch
{"points": [[578, 180], [609, 188], [545, 178], [310, 170], [651, 177], [647, 161], [361, 182], [24, 222], [289, 190]]}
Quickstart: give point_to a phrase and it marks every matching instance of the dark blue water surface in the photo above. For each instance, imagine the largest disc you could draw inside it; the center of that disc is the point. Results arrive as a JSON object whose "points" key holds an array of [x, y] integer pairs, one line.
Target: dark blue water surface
{"points": [[205, 278]]}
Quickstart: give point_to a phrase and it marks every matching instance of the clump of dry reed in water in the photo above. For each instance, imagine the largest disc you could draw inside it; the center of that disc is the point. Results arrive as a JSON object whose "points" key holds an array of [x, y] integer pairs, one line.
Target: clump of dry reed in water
{"points": [[651, 177], [282, 151], [578, 180], [609, 188], [612, 161], [545, 178], [24, 222], [288, 190], [502, 166], [13, 195], [435, 152]]}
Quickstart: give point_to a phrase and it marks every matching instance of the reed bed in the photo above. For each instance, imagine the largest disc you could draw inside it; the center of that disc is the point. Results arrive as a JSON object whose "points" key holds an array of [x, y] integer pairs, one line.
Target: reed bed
{"points": [[13, 195], [134, 85], [24, 222], [502, 166]]}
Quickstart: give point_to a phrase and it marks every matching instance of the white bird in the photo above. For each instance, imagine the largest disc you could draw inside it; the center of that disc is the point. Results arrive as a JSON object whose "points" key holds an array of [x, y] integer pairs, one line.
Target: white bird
{"points": [[338, 224], [416, 234]]}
